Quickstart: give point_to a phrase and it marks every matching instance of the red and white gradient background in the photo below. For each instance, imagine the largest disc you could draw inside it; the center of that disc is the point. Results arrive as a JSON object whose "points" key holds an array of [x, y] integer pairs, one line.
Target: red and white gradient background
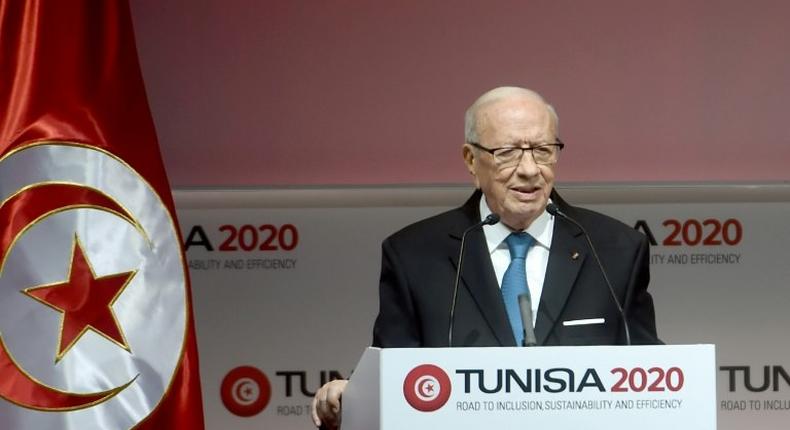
{"points": [[273, 93], [288, 93]]}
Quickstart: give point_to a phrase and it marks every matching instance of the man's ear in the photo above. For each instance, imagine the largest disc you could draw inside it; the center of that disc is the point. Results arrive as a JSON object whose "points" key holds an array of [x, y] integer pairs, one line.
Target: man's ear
{"points": [[470, 159]]}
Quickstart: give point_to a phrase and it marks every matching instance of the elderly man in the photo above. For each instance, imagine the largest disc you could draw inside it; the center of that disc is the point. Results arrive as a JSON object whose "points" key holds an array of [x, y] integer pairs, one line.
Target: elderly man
{"points": [[511, 150]]}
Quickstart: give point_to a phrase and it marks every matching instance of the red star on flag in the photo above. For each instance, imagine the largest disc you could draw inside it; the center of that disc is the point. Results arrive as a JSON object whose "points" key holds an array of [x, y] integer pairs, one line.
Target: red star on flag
{"points": [[85, 302]]}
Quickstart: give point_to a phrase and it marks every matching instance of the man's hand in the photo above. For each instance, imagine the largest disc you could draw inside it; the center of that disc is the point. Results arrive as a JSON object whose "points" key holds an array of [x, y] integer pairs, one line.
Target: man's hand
{"points": [[325, 408]]}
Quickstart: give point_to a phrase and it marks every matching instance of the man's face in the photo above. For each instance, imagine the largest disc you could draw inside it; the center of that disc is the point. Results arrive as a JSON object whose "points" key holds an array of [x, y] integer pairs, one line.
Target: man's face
{"points": [[517, 194]]}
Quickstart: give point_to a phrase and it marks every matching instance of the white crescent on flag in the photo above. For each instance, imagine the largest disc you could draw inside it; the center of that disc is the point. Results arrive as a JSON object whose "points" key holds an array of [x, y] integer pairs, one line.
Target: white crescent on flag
{"points": [[93, 298]]}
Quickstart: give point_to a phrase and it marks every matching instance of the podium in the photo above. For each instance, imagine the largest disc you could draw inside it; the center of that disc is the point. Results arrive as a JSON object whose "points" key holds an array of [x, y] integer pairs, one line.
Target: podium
{"points": [[558, 388]]}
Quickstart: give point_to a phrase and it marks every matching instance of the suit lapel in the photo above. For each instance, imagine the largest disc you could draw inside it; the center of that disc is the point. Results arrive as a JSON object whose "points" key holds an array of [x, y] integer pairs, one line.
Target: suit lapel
{"points": [[567, 254], [565, 259], [478, 275], [480, 280]]}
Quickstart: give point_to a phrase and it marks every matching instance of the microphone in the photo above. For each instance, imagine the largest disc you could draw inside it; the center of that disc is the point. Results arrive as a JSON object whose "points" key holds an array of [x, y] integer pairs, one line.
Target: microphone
{"points": [[554, 210], [491, 219], [525, 306]]}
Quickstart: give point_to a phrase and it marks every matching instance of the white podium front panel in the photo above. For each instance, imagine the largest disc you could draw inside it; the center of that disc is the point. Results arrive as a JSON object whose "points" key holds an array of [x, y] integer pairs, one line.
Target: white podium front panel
{"points": [[599, 387]]}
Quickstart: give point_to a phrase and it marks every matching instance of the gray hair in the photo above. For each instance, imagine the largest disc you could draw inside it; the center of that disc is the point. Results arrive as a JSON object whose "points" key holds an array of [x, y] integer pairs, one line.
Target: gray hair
{"points": [[500, 93]]}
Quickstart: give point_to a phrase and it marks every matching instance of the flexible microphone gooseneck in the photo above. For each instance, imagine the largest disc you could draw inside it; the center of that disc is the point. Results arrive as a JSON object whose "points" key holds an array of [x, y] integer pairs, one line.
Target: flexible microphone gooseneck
{"points": [[554, 210], [491, 219], [525, 308]]}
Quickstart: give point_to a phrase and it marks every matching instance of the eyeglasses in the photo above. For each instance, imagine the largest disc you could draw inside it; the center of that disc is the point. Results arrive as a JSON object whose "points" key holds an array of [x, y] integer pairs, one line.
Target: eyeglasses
{"points": [[510, 156]]}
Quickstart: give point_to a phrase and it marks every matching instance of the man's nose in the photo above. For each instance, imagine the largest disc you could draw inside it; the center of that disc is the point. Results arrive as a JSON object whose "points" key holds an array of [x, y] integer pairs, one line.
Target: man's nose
{"points": [[527, 165]]}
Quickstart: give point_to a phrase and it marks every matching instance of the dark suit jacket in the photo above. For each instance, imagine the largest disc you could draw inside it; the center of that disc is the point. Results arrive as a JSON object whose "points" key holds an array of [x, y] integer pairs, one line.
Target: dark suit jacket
{"points": [[418, 271]]}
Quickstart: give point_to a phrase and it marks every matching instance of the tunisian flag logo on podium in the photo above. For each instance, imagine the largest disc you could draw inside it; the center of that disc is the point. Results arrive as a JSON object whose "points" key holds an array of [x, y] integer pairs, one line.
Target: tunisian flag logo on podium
{"points": [[427, 387], [96, 329]]}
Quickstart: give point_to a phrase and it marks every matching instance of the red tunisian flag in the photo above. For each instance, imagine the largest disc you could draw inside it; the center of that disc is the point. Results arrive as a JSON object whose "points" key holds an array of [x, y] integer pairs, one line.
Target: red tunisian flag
{"points": [[96, 330]]}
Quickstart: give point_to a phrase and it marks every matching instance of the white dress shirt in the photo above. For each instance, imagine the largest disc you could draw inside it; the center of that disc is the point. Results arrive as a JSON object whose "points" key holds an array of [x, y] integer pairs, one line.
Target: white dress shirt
{"points": [[542, 229]]}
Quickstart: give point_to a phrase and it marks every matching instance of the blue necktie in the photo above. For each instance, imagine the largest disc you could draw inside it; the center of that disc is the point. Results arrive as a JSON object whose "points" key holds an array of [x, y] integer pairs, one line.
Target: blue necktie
{"points": [[514, 283]]}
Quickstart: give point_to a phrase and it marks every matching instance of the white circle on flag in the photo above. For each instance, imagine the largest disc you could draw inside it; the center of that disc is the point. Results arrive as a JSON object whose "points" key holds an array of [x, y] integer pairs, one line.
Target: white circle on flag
{"points": [[151, 311]]}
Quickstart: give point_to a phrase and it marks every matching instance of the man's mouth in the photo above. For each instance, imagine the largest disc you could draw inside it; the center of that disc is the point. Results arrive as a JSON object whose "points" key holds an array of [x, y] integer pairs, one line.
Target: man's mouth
{"points": [[526, 192]]}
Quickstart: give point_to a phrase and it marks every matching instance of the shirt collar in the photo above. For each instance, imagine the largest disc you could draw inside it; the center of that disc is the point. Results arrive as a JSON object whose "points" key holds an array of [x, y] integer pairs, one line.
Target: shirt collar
{"points": [[542, 228]]}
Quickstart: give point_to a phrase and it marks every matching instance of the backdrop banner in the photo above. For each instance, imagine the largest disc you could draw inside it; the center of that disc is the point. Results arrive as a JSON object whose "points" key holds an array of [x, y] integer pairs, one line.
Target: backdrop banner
{"points": [[285, 286]]}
